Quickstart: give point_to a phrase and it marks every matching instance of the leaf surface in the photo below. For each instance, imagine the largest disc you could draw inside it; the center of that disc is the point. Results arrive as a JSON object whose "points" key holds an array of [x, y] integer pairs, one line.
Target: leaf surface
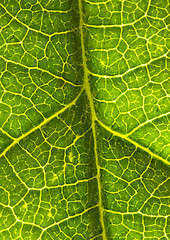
{"points": [[84, 120]]}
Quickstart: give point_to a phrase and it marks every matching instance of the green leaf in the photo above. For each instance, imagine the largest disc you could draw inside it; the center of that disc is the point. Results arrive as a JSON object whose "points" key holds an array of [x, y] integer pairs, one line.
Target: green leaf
{"points": [[84, 120]]}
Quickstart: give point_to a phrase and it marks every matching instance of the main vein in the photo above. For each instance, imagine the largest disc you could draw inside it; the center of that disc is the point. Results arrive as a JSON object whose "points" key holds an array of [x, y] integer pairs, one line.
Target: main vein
{"points": [[93, 116]]}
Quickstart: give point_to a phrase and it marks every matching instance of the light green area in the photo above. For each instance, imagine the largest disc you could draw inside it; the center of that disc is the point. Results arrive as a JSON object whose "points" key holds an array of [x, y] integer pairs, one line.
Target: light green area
{"points": [[84, 120]]}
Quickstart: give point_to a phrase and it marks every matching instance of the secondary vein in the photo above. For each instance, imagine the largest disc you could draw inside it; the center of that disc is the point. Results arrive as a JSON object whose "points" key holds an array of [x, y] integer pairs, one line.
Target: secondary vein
{"points": [[40, 125]]}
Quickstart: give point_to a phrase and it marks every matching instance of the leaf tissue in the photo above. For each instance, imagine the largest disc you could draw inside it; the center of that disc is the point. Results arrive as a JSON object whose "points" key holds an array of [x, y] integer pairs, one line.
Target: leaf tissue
{"points": [[84, 119]]}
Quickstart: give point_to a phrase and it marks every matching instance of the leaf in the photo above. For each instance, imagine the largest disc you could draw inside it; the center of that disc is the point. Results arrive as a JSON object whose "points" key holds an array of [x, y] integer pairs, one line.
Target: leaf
{"points": [[84, 120]]}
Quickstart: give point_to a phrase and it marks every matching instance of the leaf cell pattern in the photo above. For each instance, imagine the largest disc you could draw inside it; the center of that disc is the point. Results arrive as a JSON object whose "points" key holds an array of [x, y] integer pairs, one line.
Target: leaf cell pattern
{"points": [[84, 119]]}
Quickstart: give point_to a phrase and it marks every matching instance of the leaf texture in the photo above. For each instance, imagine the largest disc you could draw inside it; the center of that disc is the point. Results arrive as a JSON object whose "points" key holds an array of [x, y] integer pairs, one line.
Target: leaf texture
{"points": [[84, 120]]}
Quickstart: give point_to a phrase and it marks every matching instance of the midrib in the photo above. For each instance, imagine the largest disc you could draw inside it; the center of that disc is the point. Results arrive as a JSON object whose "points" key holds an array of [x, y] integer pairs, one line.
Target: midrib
{"points": [[93, 116]]}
